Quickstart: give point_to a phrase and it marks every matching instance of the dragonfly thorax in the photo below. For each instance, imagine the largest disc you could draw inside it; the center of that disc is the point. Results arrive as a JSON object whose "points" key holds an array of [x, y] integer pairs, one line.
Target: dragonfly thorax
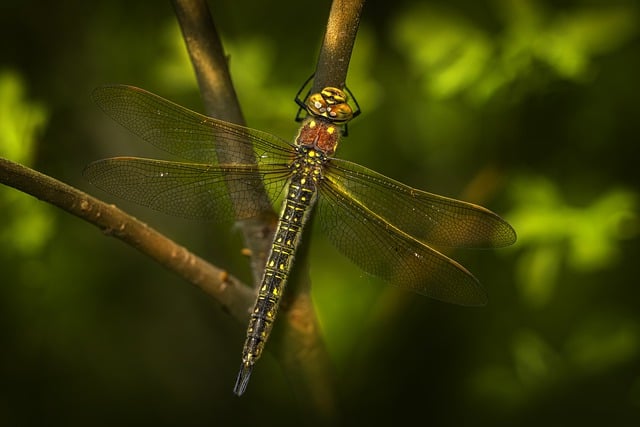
{"points": [[308, 165], [320, 134]]}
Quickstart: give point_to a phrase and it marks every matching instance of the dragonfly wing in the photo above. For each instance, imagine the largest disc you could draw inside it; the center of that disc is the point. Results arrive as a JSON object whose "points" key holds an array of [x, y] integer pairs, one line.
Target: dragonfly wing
{"points": [[428, 217], [185, 133], [188, 190], [383, 250]]}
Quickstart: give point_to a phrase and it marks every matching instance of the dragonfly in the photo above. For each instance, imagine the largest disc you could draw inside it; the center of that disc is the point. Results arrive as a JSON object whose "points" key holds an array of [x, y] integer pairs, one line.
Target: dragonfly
{"points": [[388, 229]]}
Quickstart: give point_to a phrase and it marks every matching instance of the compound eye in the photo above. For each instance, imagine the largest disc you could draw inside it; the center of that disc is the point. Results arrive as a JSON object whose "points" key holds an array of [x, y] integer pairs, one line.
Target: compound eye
{"points": [[316, 104], [330, 103], [333, 95], [340, 112]]}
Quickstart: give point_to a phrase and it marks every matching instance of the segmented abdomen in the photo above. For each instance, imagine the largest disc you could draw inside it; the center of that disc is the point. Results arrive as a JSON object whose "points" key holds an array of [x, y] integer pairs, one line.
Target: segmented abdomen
{"points": [[301, 195]]}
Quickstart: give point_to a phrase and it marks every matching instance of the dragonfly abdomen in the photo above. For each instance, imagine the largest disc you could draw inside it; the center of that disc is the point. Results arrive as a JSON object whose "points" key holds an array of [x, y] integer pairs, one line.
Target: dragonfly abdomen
{"points": [[301, 195]]}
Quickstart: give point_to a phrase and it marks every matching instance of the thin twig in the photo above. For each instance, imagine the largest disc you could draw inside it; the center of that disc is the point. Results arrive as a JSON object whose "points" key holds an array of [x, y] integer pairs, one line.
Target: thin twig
{"points": [[220, 101], [335, 53], [302, 347], [229, 291]]}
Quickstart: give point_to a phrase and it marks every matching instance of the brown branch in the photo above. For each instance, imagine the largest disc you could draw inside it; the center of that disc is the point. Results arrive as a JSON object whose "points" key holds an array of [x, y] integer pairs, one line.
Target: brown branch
{"points": [[208, 60], [220, 101], [229, 291], [339, 38], [302, 348]]}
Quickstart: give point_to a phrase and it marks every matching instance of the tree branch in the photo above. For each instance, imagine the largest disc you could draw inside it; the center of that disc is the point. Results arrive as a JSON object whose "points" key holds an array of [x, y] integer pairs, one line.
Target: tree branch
{"points": [[335, 53], [235, 297], [220, 101], [302, 348]]}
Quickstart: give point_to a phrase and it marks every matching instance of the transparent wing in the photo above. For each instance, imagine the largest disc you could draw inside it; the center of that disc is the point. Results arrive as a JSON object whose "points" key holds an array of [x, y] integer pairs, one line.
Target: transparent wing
{"points": [[185, 133], [383, 250], [427, 217], [189, 190], [223, 153]]}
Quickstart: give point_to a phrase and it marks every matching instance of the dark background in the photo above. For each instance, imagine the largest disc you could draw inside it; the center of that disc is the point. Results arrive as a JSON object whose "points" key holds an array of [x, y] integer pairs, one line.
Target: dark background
{"points": [[527, 107]]}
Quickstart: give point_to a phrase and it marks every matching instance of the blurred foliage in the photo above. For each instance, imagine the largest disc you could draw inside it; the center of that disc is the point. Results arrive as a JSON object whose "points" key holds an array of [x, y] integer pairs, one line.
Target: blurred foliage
{"points": [[20, 119], [528, 107], [28, 223], [553, 234], [453, 56]]}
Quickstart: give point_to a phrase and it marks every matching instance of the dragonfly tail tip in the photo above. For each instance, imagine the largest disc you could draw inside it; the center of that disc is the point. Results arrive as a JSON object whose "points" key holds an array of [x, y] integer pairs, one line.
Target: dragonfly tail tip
{"points": [[243, 378]]}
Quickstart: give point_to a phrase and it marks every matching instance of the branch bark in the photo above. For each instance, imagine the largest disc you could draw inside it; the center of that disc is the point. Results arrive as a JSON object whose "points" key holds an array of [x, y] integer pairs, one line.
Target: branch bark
{"points": [[220, 101], [339, 38], [234, 297], [302, 348]]}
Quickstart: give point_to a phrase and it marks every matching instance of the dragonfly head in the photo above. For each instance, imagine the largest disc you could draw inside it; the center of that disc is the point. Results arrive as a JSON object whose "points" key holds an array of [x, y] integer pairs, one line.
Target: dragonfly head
{"points": [[330, 103]]}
